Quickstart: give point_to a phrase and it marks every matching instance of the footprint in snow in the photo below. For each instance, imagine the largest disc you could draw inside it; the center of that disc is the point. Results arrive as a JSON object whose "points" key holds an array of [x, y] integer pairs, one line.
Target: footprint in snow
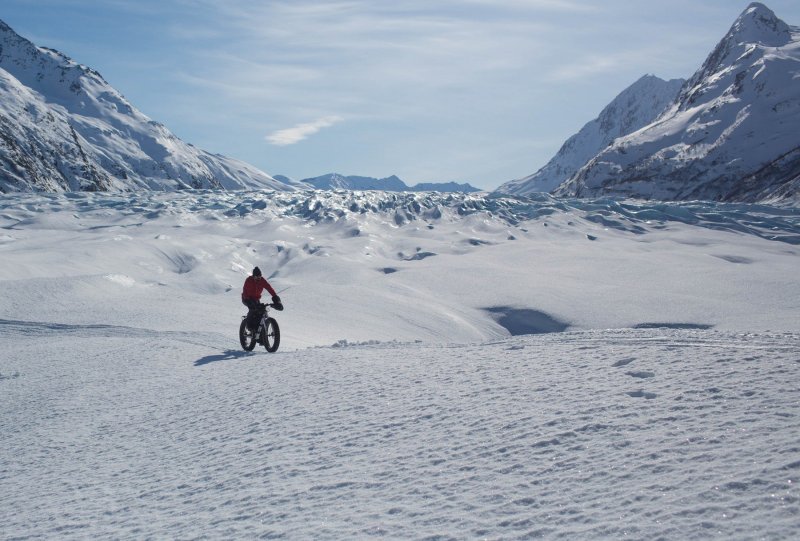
{"points": [[623, 362], [642, 394], [642, 374]]}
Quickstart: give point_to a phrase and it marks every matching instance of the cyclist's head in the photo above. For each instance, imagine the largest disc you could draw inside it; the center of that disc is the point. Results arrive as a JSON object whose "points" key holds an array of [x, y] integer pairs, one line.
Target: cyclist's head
{"points": [[256, 272]]}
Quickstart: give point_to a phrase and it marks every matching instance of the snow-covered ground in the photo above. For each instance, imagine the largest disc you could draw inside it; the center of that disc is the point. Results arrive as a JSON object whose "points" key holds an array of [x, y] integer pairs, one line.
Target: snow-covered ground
{"points": [[399, 404]]}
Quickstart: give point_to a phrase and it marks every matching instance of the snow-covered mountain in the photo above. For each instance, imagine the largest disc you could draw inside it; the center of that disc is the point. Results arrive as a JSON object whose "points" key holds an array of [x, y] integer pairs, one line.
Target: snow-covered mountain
{"points": [[335, 181], [462, 187], [64, 128], [637, 106], [731, 134]]}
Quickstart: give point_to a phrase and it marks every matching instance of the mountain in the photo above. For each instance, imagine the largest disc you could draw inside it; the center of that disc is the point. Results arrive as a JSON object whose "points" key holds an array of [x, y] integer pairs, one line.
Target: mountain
{"points": [[335, 181], [730, 135], [297, 184], [64, 128], [444, 187], [637, 106]]}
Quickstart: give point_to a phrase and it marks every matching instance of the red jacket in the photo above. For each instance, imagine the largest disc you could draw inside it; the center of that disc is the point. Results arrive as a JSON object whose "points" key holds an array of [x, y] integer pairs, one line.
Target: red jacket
{"points": [[254, 286]]}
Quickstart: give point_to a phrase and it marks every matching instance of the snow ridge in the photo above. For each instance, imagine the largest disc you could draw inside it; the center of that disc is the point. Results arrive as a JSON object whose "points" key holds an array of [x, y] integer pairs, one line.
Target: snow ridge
{"points": [[64, 128]]}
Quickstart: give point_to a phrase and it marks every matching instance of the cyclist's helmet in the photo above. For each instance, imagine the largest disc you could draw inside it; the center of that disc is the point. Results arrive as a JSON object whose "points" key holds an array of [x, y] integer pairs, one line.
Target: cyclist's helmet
{"points": [[256, 272]]}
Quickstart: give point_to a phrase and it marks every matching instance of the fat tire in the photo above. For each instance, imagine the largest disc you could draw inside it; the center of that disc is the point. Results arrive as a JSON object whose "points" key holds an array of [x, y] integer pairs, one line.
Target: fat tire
{"points": [[248, 342], [271, 335]]}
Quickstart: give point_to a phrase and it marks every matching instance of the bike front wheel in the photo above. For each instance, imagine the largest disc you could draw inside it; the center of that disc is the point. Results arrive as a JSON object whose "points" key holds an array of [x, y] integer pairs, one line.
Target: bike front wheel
{"points": [[271, 335], [247, 339]]}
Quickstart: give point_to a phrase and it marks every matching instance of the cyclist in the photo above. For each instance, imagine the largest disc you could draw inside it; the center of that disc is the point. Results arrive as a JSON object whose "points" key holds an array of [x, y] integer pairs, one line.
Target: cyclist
{"points": [[251, 297]]}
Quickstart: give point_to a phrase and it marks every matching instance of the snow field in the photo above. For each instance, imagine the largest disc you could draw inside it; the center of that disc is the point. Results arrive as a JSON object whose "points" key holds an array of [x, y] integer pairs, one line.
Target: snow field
{"points": [[640, 433], [399, 405]]}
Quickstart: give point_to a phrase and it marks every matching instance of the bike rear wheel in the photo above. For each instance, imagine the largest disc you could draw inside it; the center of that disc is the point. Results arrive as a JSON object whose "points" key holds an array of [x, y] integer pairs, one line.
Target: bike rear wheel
{"points": [[248, 340], [271, 335]]}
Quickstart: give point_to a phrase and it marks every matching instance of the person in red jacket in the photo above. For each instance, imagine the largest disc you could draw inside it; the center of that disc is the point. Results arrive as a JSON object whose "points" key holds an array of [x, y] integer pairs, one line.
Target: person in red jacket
{"points": [[251, 297]]}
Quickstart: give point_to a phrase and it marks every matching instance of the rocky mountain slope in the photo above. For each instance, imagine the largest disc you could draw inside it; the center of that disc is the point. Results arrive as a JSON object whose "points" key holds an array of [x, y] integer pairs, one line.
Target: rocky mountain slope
{"points": [[64, 128], [637, 106], [731, 134]]}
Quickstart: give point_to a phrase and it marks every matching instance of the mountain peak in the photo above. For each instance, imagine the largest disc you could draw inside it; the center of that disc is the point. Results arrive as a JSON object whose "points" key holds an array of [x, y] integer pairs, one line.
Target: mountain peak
{"points": [[756, 28], [9, 38], [5, 29], [759, 24]]}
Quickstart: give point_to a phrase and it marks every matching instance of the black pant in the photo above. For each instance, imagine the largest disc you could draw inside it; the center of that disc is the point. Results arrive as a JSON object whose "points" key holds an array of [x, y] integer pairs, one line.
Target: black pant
{"points": [[255, 310]]}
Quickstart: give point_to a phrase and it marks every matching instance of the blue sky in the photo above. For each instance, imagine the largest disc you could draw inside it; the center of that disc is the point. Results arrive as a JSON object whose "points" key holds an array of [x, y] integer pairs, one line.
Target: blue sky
{"points": [[479, 91]]}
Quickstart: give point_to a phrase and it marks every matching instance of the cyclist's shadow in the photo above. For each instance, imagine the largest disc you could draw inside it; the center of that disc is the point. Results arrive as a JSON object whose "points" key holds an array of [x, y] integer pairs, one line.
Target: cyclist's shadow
{"points": [[229, 355]]}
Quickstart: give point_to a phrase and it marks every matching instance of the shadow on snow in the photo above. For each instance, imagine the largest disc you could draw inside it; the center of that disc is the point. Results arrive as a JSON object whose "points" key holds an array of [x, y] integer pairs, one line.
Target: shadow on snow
{"points": [[521, 321], [229, 355]]}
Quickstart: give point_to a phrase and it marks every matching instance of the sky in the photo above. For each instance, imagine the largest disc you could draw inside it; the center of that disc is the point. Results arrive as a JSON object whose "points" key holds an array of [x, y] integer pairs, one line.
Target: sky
{"points": [[478, 91]]}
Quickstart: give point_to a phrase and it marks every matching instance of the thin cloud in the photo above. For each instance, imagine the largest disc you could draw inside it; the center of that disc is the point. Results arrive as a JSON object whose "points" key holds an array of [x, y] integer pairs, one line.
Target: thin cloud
{"points": [[537, 5], [586, 67], [293, 135], [583, 69]]}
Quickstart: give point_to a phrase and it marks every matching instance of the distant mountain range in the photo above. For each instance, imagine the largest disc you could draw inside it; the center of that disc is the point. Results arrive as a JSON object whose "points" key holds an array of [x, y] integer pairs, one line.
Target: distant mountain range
{"points": [[729, 134], [64, 128], [335, 181]]}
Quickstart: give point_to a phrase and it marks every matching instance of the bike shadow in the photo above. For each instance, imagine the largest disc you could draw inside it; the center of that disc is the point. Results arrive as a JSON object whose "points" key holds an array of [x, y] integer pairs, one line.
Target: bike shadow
{"points": [[229, 355]]}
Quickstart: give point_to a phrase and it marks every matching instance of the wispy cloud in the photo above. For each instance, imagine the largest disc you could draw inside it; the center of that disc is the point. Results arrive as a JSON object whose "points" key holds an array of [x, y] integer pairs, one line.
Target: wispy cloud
{"points": [[583, 68], [290, 136]]}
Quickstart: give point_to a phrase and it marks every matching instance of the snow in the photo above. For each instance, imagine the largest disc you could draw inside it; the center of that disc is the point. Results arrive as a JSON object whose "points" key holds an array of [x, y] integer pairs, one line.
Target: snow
{"points": [[451, 366], [675, 434]]}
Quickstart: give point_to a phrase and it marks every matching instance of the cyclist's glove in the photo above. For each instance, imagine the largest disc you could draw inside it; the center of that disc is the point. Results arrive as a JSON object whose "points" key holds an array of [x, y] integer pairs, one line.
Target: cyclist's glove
{"points": [[276, 303]]}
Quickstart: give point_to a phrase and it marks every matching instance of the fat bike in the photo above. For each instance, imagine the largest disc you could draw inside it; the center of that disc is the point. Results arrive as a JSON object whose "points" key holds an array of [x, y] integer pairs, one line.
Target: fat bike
{"points": [[268, 334]]}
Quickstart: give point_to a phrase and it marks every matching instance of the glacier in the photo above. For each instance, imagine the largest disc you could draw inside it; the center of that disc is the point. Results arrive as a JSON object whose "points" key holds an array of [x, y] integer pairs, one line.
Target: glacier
{"points": [[451, 366]]}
